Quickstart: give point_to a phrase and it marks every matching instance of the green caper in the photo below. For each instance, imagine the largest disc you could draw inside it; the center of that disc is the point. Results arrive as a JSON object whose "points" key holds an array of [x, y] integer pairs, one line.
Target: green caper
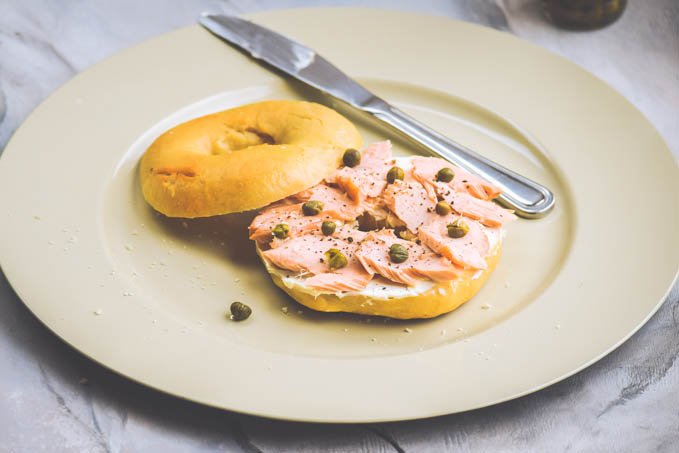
{"points": [[395, 173], [398, 253], [335, 259], [281, 230], [443, 208], [457, 229], [312, 207], [370, 222], [328, 227], [446, 174], [240, 311], [352, 157]]}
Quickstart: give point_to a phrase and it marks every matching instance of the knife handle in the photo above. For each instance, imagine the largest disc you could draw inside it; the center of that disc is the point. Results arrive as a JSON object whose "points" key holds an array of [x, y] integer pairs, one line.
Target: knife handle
{"points": [[526, 197]]}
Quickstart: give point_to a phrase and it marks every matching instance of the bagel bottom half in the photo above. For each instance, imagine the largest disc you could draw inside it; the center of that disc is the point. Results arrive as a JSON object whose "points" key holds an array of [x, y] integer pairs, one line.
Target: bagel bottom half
{"points": [[442, 297]]}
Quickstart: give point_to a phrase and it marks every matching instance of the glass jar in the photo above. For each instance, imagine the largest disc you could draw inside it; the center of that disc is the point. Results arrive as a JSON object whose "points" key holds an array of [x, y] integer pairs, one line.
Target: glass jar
{"points": [[583, 14]]}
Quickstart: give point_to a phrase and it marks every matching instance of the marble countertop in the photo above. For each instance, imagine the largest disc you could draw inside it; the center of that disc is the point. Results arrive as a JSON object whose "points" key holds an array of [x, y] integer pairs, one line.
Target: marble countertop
{"points": [[54, 399]]}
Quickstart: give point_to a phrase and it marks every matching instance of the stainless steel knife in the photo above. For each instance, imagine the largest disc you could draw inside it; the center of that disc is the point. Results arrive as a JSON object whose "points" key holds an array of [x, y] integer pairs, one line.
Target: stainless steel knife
{"points": [[528, 198]]}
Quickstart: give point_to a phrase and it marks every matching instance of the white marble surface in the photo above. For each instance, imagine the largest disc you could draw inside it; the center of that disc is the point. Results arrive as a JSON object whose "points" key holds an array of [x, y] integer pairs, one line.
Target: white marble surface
{"points": [[53, 399]]}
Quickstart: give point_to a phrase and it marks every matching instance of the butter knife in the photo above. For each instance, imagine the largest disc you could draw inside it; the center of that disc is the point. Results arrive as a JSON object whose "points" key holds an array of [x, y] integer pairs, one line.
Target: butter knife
{"points": [[526, 197]]}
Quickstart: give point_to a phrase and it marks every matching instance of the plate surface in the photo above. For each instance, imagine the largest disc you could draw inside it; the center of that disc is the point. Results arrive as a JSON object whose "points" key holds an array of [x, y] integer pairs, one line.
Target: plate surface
{"points": [[146, 296]]}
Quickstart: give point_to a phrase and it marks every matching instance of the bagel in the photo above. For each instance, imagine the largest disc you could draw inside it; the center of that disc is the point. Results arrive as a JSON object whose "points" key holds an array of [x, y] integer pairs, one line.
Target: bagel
{"points": [[429, 301], [243, 158], [439, 270]]}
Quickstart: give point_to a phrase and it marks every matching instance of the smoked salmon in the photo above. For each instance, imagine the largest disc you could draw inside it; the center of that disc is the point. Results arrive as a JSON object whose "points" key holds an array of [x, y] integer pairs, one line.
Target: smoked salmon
{"points": [[336, 203], [425, 170], [336, 206], [361, 197], [468, 251], [368, 178], [486, 212], [467, 194], [410, 202], [306, 254], [290, 214], [422, 262]]}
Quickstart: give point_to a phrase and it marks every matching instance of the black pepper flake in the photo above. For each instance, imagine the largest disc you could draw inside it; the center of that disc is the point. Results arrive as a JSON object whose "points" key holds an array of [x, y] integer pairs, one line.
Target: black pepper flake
{"points": [[350, 239]]}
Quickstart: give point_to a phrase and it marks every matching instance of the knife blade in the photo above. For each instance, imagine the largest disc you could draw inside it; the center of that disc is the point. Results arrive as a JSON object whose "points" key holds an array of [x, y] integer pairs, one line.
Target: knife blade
{"points": [[528, 198]]}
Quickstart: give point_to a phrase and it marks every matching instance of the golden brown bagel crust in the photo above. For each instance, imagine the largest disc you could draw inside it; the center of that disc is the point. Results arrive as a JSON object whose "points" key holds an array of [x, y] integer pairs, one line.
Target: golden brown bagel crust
{"points": [[244, 158], [441, 298]]}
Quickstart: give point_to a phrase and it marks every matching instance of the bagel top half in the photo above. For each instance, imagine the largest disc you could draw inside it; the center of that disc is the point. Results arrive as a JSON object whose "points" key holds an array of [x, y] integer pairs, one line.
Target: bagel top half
{"points": [[244, 158]]}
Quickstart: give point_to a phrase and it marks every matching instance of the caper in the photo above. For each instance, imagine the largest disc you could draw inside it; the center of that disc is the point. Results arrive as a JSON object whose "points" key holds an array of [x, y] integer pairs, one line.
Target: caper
{"points": [[446, 174], [352, 157], [395, 173], [281, 230], [240, 311], [443, 208], [369, 222], [328, 227], [457, 229], [335, 259], [312, 207], [398, 253]]}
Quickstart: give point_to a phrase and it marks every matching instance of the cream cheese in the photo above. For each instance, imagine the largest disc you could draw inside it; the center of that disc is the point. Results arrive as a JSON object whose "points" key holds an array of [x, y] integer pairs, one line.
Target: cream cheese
{"points": [[378, 288]]}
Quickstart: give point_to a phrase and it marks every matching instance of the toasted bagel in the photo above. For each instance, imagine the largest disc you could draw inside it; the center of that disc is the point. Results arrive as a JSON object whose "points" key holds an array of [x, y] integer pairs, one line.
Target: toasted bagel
{"points": [[243, 158]]}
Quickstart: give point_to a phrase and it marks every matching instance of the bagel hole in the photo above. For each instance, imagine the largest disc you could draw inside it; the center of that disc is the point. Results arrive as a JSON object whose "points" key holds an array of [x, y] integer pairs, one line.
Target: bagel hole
{"points": [[263, 136], [237, 139]]}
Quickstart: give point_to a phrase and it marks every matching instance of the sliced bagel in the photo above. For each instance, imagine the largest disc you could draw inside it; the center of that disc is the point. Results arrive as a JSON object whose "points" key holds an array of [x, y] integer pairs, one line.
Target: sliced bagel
{"points": [[243, 158], [384, 298], [445, 257]]}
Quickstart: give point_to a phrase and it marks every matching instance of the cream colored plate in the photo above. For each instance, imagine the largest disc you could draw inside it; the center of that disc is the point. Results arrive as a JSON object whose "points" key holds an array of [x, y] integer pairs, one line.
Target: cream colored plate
{"points": [[146, 296]]}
